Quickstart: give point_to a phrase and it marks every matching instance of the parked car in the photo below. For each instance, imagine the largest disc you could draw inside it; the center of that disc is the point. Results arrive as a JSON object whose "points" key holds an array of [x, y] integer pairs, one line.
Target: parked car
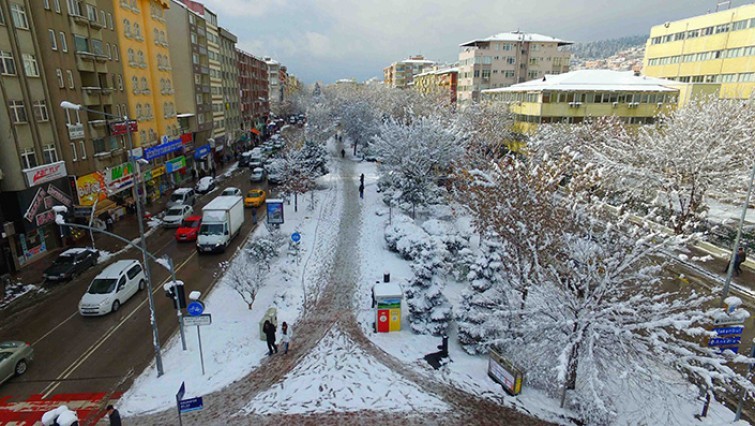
{"points": [[254, 198], [257, 175], [231, 191], [112, 287], [189, 228], [175, 215], [182, 196], [205, 185], [71, 263], [275, 172], [15, 357]]}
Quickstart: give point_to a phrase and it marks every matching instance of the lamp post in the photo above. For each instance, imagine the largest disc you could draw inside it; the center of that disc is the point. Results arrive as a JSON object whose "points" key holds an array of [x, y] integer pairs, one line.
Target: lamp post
{"points": [[140, 220]]}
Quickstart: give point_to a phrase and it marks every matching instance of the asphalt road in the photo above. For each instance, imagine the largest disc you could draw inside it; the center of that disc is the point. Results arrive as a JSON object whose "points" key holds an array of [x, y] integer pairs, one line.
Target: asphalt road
{"points": [[75, 354]]}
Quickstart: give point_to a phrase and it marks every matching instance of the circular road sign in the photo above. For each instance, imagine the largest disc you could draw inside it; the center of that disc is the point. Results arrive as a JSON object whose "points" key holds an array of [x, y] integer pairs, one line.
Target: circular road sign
{"points": [[296, 237], [195, 308]]}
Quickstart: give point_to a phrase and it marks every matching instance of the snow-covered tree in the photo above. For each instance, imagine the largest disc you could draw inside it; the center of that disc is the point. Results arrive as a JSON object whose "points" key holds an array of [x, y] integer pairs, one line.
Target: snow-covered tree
{"points": [[429, 309], [247, 273], [302, 168]]}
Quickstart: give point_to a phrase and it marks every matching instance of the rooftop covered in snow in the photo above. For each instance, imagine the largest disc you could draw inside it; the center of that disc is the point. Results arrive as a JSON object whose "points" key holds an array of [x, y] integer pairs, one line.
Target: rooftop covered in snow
{"points": [[516, 36], [592, 80]]}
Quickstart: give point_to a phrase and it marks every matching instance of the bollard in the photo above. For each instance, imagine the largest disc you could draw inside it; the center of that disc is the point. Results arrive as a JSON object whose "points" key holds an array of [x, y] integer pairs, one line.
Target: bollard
{"points": [[386, 277], [444, 347]]}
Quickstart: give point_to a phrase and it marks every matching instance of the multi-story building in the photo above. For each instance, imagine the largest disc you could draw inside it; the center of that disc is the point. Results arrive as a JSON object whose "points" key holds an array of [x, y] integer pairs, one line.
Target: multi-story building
{"points": [[33, 176], [144, 49], [508, 58], [716, 48], [275, 86], [441, 82], [216, 83], [253, 87], [578, 95], [400, 74], [230, 75], [188, 38]]}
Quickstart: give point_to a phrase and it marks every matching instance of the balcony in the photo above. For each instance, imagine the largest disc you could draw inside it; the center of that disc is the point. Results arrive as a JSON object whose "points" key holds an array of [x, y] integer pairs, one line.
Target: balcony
{"points": [[79, 19], [97, 25], [86, 56]]}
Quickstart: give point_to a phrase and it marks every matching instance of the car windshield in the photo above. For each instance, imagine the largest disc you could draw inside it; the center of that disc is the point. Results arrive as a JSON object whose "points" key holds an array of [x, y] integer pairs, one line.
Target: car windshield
{"points": [[174, 212], [8, 345], [190, 224], [102, 286], [254, 194], [176, 197], [211, 229], [64, 260]]}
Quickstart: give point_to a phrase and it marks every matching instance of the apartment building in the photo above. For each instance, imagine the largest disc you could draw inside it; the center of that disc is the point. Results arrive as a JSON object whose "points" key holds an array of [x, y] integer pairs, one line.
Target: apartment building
{"points": [[579, 95], [253, 90], [229, 68], [400, 74], [275, 84], [442, 82], [508, 58], [712, 49]]}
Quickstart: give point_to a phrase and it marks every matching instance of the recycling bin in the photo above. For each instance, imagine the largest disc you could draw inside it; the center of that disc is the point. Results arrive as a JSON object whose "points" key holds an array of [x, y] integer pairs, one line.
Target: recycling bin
{"points": [[387, 297]]}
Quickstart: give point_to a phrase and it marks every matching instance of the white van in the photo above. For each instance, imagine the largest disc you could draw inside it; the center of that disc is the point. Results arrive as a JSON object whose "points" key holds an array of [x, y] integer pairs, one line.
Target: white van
{"points": [[112, 287], [182, 197]]}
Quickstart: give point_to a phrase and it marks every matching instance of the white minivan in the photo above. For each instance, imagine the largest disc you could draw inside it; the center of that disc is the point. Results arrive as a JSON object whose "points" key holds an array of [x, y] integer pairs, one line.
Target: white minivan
{"points": [[112, 287]]}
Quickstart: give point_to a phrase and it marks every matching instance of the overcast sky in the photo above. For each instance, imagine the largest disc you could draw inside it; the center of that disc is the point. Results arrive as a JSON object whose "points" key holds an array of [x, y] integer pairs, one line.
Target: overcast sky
{"points": [[326, 40]]}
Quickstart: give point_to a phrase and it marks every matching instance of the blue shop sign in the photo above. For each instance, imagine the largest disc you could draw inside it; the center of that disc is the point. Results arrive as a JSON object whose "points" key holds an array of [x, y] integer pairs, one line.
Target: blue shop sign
{"points": [[162, 149], [202, 151]]}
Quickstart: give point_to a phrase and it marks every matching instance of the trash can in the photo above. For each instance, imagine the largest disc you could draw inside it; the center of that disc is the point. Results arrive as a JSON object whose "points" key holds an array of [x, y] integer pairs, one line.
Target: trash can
{"points": [[272, 316], [388, 298]]}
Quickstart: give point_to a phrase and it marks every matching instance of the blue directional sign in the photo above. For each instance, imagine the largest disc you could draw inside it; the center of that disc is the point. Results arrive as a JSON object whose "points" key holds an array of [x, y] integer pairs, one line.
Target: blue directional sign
{"points": [[727, 331], [195, 308], [191, 404], [296, 237], [724, 341]]}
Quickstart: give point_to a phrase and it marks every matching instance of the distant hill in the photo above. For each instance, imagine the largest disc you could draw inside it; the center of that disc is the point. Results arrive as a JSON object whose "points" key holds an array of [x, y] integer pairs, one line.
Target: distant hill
{"points": [[602, 49]]}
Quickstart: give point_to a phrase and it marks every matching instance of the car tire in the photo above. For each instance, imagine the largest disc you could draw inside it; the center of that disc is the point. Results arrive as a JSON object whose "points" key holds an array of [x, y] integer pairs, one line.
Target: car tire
{"points": [[21, 367], [142, 285], [116, 306]]}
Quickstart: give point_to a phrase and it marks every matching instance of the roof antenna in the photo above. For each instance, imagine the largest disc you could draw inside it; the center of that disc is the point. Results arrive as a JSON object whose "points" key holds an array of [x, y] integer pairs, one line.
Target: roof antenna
{"points": [[723, 2]]}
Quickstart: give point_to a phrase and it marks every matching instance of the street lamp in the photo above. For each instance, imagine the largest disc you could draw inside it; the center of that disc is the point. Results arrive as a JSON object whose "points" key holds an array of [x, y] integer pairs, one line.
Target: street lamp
{"points": [[140, 220]]}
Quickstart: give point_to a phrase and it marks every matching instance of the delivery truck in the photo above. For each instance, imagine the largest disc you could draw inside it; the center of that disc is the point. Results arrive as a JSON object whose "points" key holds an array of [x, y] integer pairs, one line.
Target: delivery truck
{"points": [[221, 222]]}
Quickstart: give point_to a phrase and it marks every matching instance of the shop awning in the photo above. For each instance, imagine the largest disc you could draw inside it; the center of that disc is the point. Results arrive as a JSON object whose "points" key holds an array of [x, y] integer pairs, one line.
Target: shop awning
{"points": [[255, 131]]}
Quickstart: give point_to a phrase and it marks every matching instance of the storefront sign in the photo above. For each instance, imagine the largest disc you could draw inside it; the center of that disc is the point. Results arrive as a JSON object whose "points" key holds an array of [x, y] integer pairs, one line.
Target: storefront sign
{"points": [[45, 218], [59, 195], [136, 153], [202, 151], [91, 188], [35, 204], [156, 172], [175, 164], [75, 131], [162, 149], [119, 178], [123, 127], [187, 138], [45, 173]]}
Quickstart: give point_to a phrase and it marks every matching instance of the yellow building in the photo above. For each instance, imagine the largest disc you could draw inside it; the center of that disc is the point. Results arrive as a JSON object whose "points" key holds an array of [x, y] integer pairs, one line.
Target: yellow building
{"points": [[575, 96], [438, 82], [142, 33], [717, 48]]}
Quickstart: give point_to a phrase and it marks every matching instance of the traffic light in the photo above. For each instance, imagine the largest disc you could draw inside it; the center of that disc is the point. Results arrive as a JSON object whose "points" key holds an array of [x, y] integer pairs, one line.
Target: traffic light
{"points": [[171, 293]]}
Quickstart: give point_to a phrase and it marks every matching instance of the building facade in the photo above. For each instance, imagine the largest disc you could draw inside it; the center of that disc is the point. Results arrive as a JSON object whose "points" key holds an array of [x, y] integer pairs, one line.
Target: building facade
{"points": [[442, 82], [400, 74], [578, 95], [508, 58], [253, 90], [275, 86], [230, 75], [716, 48]]}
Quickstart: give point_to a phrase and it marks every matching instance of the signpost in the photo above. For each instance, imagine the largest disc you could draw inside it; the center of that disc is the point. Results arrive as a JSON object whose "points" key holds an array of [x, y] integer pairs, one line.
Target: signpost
{"points": [[179, 395], [199, 319], [187, 405], [195, 308]]}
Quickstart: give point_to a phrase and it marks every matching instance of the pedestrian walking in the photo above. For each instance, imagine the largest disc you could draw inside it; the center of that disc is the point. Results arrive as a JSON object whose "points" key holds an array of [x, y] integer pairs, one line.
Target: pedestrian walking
{"points": [[361, 190], [739, 258], [114, 416], [343, 153], [285, 336], [361, 179], [269, 330]]}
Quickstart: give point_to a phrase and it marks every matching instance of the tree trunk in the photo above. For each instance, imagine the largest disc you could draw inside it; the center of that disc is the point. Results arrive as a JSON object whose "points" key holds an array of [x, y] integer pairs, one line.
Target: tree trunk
{"points": [[296, 202]]}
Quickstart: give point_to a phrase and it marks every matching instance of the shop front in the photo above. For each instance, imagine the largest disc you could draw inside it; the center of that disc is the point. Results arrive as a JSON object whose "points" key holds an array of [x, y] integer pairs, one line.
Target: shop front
{"points": [[176, 168], [202, 158]]}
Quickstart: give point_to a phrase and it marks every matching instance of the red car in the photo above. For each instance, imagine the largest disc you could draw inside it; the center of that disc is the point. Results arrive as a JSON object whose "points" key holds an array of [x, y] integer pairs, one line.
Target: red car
{"points": [[188, 229]]}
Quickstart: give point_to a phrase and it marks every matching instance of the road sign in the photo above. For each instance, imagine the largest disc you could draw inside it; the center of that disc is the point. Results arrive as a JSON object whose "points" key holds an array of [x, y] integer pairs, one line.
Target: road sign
{"points": [[181, 391], [195, 308], [727, 331], [203, 319], [296, 237], [191, 404]]}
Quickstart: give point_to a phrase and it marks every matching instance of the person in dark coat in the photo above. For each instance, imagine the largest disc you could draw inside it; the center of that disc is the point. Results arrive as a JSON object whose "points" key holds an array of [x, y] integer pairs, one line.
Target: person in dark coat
{"points": [[269, 330], [361, 179], [343, 153], [361, 190], [739, 260], [114, 416]]}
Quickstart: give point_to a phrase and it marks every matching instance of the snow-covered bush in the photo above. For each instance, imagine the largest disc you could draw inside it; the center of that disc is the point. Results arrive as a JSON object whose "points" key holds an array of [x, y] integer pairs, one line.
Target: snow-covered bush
{"points": [[429, 309], [406, 238]]}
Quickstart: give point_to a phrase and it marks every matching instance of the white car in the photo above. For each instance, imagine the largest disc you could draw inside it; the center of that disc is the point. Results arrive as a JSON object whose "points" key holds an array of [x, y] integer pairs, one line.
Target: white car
{"points": [[205, 185], [112, 287], [231, 191], [257, 175], [175, 215]]}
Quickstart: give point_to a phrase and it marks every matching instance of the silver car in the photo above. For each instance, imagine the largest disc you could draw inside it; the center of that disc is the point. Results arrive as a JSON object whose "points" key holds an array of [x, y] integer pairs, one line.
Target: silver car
{"points": [[15, 357]]}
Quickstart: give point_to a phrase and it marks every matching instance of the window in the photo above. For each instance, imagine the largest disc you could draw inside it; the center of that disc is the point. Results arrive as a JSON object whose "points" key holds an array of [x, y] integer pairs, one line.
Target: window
{"points": [[138, 111], [71, 115], [53, 40], [18, 14], [29, 158], [131, 56], [74, 7], [135, 85], [74, 157], [47, 4], [195, 58], [137, 31], [71, 84], [63, 42], [145, 86], [17, 111], [59, 73], [31, 68], [57, 5], [103, 18], [83, 150], [97, 47], [81, 44], [511, 60], [140, 57], [49, 154], [148, 110], [120, 82], [40, 111], [110, 21], [107, 51], [127, 28], [91, 13], [7, 64], [115, 52]]}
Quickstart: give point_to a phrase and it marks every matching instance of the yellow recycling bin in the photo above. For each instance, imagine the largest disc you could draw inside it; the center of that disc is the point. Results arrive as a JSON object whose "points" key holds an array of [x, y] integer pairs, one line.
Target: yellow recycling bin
{"points": [[388, 298]]}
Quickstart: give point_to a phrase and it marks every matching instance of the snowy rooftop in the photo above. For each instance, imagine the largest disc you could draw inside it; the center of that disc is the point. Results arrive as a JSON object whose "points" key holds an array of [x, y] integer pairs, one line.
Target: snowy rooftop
{"points": [[519, 36], [436, 72], [417, 61], [593, 80]]}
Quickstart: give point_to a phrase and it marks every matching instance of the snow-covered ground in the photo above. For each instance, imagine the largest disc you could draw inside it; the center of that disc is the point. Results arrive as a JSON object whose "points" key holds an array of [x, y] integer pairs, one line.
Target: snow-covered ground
{"points": [[334, 375]]}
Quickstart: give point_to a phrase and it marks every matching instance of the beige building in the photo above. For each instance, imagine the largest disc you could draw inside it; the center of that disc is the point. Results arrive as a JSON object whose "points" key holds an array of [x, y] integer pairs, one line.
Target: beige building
{"points": [[713, 49], [230, 75], [508, 58], [400, 74]]}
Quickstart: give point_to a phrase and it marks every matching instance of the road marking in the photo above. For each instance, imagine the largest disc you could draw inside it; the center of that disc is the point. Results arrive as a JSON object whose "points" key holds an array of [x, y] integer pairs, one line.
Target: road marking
{"points": [[49, 389], [55, 328]]}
